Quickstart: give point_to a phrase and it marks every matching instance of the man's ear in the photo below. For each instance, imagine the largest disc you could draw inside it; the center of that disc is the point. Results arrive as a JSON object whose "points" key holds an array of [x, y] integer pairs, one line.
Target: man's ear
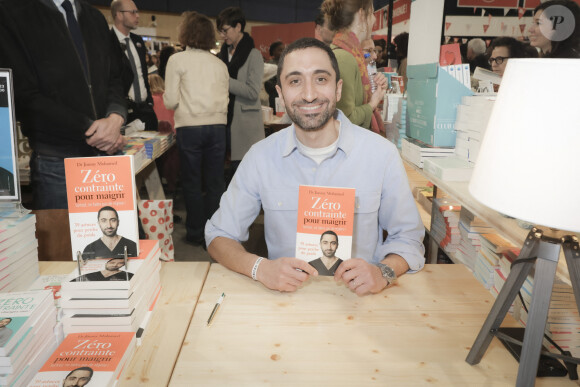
{"points": [[279, 91], [338, 90]]}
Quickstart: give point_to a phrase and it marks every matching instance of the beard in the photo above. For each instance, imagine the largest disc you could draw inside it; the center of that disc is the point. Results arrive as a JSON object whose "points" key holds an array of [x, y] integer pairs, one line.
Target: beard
{"points": [[311, 122]]}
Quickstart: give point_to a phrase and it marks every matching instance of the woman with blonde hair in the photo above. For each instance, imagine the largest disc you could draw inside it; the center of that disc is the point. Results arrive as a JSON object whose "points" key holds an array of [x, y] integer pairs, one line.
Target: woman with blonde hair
{"points": [[197, 84], [353, 20]]}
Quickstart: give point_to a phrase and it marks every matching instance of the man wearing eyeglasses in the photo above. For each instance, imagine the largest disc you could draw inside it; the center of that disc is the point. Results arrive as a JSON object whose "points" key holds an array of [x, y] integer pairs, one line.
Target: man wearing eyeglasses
{"points": [[134, 65]]}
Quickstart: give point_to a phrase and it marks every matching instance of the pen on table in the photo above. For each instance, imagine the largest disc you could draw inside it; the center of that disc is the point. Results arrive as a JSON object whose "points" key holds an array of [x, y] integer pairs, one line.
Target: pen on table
{"points": [[215, 308]]}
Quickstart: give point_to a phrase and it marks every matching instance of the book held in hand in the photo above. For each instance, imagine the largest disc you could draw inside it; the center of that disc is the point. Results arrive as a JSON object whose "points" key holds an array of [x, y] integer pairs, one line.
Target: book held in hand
{"points": [[102, 206], [325, 224]]}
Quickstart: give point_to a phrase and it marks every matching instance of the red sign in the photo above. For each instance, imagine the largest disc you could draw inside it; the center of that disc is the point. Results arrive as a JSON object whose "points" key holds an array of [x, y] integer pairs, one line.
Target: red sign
{"points": [[378, 20], [488, 3], [265, 35], [401, 11]]}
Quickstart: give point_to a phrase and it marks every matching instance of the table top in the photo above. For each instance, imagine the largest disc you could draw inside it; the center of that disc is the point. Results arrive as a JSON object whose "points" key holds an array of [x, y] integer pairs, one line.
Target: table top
{"points": [[418, 332], [152, 363]]}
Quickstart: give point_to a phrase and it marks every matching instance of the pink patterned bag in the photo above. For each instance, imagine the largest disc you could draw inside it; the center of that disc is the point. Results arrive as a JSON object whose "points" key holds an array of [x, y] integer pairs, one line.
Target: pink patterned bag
{"points": [[157, 219]]}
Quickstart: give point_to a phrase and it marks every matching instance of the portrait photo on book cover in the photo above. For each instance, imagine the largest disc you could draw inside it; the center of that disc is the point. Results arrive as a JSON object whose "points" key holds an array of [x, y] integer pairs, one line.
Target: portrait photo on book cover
{"points": [[110, 244], [79, 377], [110, 270], [328, 262], [6, 331]]}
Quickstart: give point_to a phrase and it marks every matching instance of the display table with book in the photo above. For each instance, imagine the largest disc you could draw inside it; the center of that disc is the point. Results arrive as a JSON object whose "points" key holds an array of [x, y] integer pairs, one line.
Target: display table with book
{"points": [[416, 333], [162, 340]]}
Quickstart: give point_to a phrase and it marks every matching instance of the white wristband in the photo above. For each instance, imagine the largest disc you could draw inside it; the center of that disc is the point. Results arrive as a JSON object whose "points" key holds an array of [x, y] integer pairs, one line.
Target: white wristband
{"points": [[255, 268]]}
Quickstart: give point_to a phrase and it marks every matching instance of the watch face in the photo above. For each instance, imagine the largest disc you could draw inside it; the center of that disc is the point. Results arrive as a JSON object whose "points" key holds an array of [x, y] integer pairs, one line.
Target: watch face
{"points": [[388, 273]]}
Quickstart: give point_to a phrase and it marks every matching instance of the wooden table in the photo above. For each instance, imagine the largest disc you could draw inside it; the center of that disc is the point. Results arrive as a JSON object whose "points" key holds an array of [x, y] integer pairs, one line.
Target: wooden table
{"points": [[416, 333], [152, 363]]}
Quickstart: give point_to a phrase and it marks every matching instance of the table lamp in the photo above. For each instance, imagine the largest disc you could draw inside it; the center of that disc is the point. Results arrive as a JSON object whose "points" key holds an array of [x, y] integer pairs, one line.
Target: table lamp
{"points": [[527, 168]]}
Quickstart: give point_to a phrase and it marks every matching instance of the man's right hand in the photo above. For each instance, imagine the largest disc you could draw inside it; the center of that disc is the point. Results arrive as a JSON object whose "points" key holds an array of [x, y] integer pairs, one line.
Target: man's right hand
{"points": [[284, 274]]}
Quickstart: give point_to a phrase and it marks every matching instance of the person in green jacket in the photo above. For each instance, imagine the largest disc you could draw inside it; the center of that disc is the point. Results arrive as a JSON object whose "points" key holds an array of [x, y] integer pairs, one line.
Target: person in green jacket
{"points": [[353, 20]]}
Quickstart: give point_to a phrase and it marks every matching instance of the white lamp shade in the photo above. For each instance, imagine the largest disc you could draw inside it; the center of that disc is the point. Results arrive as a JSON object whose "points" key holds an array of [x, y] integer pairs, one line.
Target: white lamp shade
{"points": [[529, 158]]}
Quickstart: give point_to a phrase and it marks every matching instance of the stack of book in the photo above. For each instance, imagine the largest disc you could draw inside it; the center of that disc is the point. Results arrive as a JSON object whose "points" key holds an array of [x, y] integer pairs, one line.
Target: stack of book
{"points": [[18, 250], [445, 224], [563, 320], [417, 152], [492, 245], [472, 117], [109, 296], [136, 148], [92, 359], [27, 324], [451, 168], [470, 227]]}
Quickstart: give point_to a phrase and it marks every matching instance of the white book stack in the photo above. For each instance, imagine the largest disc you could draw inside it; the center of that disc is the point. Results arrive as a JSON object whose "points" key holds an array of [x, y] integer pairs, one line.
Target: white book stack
{"points": [[27, 323], [445, 224], [450, 168], [91, 303], [472, 117], [18, 251], [417, 152]]}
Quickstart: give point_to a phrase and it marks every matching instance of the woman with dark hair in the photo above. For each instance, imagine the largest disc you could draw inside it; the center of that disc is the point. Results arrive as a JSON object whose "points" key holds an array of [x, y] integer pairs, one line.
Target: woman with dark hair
{"points": [[353, 20], [196, 87], [401, 48], [504, 48], [245, 67], [556, 40]]}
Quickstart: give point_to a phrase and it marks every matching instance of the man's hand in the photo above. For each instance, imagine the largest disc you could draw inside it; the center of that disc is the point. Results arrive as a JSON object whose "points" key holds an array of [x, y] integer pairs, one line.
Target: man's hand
{"points": [[360, 276], [105, 134], [284, 274]]}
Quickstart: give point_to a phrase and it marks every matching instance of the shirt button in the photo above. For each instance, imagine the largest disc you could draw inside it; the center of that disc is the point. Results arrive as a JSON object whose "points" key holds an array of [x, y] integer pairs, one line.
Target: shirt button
{"points": [[279, 204], [313, 169]]}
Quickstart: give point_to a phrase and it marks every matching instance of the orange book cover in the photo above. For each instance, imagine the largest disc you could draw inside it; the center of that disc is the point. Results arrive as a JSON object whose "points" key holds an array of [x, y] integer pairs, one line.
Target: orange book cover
{"points": [[325, 224], [93, 359], [450, 55], [102, 206]]}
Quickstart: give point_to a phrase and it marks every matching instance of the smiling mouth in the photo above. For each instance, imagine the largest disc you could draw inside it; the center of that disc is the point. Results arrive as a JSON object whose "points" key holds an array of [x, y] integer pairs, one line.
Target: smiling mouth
{"points": [[310, 107]]}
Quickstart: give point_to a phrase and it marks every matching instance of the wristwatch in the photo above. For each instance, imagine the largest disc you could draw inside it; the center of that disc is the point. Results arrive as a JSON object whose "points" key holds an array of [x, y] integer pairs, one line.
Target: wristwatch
{"points": [[388, 273]]}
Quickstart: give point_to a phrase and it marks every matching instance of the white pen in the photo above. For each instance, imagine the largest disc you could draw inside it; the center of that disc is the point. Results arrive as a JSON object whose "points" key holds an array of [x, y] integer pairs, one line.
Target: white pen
{"points": [[215, 308]]}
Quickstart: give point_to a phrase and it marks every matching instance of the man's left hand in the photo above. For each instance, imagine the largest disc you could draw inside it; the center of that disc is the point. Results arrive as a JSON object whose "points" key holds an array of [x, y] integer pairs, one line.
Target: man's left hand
{"points": [[105, 134], [360, 276]]}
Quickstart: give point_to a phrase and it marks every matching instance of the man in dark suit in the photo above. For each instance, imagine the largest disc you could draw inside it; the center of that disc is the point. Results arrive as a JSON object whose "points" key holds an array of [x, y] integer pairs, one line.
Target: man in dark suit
{"points": [[140, 102]]}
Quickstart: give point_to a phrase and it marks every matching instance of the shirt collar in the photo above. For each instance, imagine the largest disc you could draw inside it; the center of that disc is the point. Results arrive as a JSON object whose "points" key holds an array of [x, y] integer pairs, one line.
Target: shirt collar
{"points": [[345, 138], [119, 34]]}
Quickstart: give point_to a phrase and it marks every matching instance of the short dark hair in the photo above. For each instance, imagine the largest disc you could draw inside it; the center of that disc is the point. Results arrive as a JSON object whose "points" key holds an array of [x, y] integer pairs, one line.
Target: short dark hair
{"points": [[81, 369], [302, 44], [197, 31], [107, 208], [516, 48], [402, 43], [231, 16], [329, 232], [274, 46]]}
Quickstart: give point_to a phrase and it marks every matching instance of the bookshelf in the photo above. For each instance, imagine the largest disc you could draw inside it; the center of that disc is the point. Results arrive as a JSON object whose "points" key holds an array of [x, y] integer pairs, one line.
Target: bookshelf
{"points": [[507, 227]]}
